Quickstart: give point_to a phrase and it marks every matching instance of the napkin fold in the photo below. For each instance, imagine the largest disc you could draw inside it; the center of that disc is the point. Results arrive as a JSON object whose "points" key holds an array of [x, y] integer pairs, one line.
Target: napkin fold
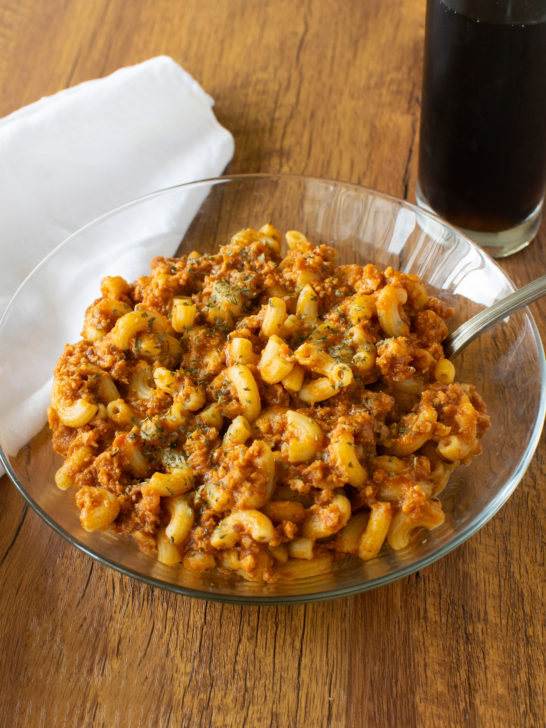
{"points": [[71, 157]]}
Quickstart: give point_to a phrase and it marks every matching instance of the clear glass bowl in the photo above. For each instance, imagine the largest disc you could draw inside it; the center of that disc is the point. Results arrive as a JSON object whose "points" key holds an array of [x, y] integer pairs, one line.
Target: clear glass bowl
{"points": [[506, 364]]}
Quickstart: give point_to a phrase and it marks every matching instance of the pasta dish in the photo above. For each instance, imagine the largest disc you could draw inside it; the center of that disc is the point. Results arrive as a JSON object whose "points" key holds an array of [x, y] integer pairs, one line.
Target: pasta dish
{"points": [[260, 413]]}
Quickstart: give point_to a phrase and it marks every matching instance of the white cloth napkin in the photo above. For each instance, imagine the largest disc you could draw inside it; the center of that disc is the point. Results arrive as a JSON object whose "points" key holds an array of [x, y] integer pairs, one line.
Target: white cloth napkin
{"points": [[71, 157]]}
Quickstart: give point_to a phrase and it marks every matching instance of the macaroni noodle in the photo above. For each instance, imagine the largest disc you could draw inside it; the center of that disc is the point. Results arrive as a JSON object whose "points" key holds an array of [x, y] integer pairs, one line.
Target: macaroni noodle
{"points": [[262, 414]]}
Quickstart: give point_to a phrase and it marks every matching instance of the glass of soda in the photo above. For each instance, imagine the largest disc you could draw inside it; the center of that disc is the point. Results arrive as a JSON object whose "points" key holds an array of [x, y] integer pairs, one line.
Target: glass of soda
{"points": [[482, 156]]}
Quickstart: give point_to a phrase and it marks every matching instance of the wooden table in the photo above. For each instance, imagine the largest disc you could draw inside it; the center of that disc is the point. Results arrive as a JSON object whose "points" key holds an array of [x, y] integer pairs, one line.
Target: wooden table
{"points": [[320, 88]]}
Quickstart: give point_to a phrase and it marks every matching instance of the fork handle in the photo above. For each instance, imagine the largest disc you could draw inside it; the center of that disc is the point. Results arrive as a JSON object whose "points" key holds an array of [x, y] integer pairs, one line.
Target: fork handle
{"points": [[484, 320]]}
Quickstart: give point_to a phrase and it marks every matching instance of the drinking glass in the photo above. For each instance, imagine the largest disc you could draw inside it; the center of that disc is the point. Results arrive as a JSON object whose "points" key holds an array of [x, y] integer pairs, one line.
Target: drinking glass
{"points": [[482, 157]]}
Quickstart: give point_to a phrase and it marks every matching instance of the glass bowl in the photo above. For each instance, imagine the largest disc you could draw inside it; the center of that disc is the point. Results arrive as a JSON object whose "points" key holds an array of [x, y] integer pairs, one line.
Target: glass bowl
{"points": [[506, 364]]}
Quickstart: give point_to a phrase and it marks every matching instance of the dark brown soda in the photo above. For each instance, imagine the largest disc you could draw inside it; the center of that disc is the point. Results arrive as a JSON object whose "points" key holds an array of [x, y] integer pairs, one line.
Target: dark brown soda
{"points": [[482, 163]]}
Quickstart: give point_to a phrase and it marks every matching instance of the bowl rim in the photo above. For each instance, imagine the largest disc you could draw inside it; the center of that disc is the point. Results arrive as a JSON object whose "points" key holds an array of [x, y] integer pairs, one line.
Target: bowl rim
{"points": [[459, 538]]}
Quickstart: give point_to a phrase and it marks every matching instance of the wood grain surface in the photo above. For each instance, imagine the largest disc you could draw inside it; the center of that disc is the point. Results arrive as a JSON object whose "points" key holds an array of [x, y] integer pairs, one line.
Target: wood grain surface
{"points": [[327, 89]]}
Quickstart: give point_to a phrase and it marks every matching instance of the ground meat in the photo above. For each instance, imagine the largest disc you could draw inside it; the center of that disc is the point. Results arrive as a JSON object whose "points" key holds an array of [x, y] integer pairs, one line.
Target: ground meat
{"points": [[146, 414]]}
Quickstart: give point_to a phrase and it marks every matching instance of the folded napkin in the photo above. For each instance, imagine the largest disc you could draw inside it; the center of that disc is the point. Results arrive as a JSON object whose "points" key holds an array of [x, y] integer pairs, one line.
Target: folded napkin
{"points": [[71, 157]]}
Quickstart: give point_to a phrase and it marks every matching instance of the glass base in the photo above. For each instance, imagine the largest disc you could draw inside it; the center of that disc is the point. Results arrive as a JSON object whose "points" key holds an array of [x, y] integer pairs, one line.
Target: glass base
{"points": [[500, 244]]}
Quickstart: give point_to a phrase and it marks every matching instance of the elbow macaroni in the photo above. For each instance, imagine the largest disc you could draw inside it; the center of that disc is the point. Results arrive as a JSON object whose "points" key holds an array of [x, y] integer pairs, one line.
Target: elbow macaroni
{"points": [[259, 413], [276, 361]]}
